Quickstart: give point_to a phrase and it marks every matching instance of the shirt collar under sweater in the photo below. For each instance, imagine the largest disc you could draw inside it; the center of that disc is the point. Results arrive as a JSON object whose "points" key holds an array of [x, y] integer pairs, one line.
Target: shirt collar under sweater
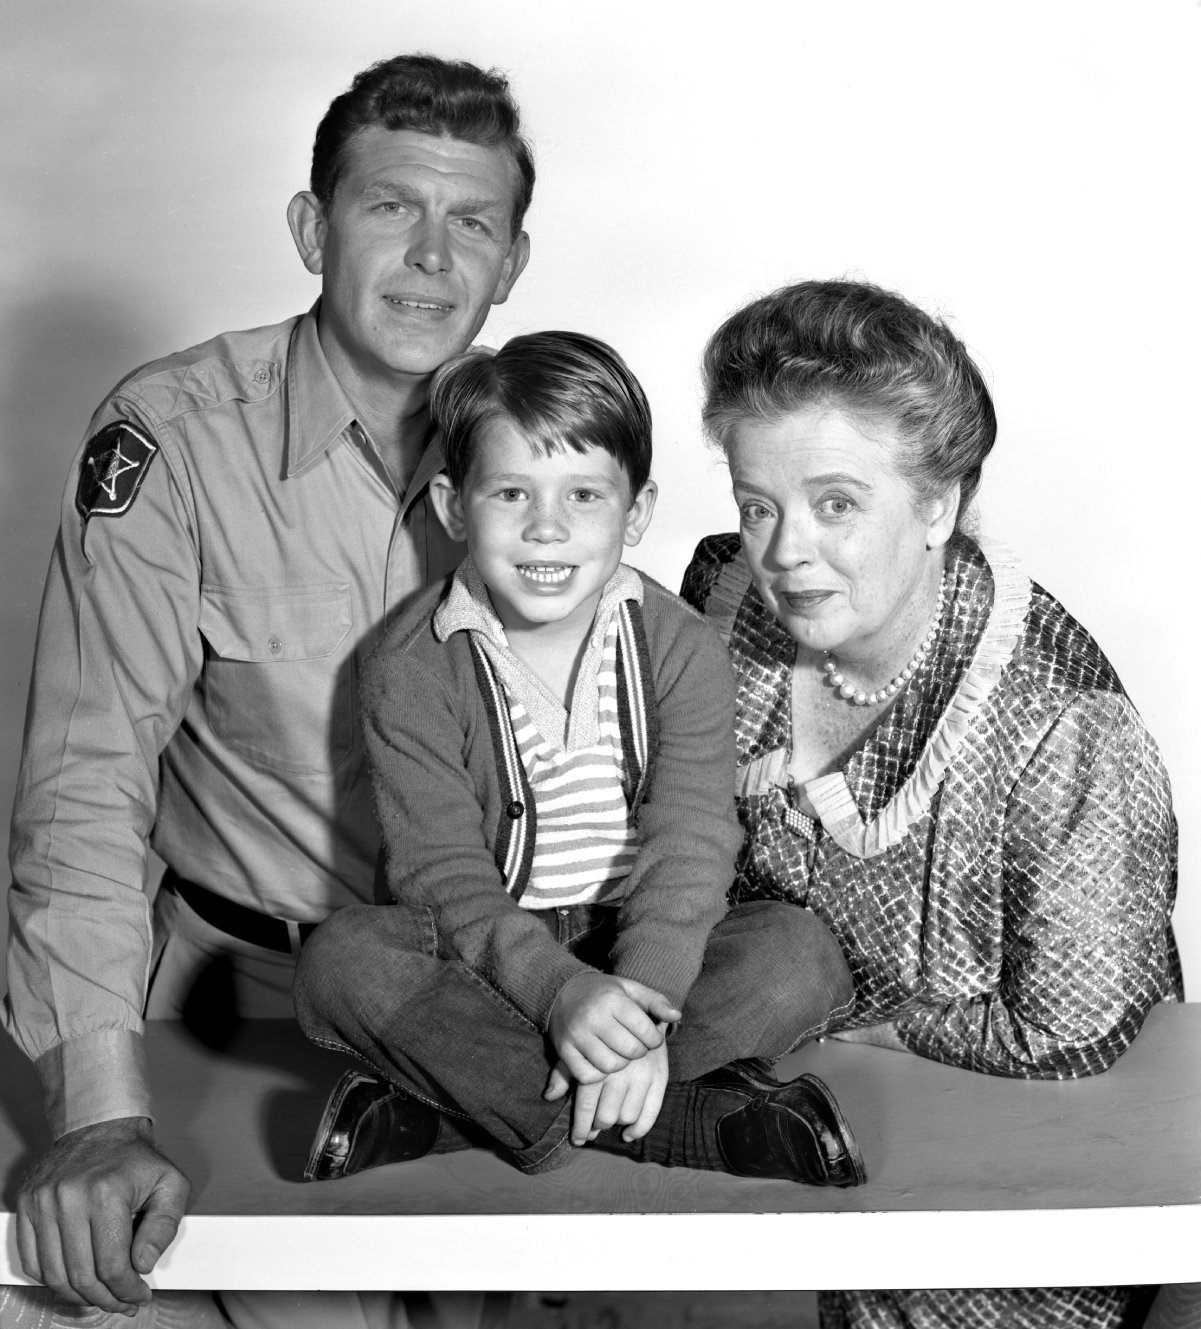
{"points": [[468, 608]]}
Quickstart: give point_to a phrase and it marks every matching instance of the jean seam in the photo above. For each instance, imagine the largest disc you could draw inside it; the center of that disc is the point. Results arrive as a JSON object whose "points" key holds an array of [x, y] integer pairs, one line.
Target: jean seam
{"points": [[332, 1045], [821, 1026], [450, 958], [541, 1162], [498, 997], [431, 927]]}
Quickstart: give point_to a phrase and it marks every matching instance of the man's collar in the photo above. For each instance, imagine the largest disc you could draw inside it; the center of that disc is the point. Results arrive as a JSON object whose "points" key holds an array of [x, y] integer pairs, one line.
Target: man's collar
{"points": [[430, 464], [319, 411]]}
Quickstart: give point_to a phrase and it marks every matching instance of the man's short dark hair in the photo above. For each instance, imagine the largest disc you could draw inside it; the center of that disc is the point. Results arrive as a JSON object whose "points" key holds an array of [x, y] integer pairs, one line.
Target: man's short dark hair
{"points": [[432, 96], [561, 389]]}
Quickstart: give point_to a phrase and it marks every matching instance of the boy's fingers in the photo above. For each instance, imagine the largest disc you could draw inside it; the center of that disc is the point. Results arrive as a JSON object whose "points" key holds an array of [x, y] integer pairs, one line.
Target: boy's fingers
{"points": [[598, 1056], [617, 1029], [648, 1113], [644, 1030], [631, 1107], [628, 1037], [579, 1068], [609, 1107], [586, 1098], [662, 1009], [557, 1083], [654, 1003], [651, 1085]]}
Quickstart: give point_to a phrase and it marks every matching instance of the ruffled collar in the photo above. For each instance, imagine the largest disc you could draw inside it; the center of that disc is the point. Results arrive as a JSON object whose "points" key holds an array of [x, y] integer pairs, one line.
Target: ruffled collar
{"points": [[889, 783]]}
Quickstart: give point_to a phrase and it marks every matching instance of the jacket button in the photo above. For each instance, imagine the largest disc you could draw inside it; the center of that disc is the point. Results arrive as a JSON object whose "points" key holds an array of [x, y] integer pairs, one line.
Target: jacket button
{"points": [[516, 809]]}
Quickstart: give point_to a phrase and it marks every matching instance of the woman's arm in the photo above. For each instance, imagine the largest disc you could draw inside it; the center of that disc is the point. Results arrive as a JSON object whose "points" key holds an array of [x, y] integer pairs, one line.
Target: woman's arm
{"points": [[1089, 879]]}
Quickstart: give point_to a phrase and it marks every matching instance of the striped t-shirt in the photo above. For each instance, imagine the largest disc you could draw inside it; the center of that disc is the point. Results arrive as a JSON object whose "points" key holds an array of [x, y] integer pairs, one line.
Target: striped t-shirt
{"points": [[586, 840]]}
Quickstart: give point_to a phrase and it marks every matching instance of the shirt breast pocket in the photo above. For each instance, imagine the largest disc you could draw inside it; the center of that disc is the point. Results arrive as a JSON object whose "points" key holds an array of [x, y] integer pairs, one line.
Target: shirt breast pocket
{"points": [[279, 673]]}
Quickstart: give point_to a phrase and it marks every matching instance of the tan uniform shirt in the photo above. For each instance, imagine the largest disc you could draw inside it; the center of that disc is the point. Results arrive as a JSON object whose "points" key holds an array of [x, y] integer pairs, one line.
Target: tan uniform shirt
{"points": [[195, 684]]}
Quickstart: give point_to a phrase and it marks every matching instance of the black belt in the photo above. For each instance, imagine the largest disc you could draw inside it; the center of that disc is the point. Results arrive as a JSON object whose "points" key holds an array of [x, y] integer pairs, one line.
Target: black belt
{"points": [[238, 920]]}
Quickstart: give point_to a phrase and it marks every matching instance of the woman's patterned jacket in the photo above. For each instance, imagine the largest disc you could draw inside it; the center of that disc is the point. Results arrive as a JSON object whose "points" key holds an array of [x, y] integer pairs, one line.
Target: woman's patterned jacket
{"points": [[998, 859]]}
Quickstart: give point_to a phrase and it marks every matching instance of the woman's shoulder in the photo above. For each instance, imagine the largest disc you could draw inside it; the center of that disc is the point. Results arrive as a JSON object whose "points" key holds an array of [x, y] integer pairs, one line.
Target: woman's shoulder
{"points": [[712, 556], [1058, 652], [1057, 693], [1040, 644]]}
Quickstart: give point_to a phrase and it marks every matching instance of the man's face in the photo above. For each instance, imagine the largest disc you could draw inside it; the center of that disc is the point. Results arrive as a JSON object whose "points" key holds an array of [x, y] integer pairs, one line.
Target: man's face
{"points": [[414, 248]]}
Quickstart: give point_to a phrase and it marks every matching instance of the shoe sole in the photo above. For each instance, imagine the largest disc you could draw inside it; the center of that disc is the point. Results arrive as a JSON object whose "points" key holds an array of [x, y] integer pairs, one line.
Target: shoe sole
{"points": [[854, 1154], [333, 1106]]}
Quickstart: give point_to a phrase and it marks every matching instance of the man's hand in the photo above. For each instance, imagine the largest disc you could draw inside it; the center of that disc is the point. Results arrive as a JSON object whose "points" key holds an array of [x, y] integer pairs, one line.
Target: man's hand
{"points": [[76, 1213], [631, 1096], [599, 1024]]}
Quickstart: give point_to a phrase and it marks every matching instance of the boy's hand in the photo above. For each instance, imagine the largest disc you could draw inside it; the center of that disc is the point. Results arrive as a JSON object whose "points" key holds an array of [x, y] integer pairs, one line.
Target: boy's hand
{"points": [[631, 1097], [599, 1024]]}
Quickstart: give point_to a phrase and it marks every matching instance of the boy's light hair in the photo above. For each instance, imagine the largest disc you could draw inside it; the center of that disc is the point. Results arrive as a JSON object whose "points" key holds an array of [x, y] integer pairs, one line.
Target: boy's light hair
{"points": [[561, 389]]}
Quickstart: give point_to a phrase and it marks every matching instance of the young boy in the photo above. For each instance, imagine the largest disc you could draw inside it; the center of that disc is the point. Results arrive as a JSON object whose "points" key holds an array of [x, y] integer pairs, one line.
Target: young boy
{"points": [[551, 740]]}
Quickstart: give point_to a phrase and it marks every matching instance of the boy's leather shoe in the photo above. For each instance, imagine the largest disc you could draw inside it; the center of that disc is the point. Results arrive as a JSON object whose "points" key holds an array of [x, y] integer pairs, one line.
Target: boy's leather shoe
{"points": [[368, 1121], [792, 1132]]}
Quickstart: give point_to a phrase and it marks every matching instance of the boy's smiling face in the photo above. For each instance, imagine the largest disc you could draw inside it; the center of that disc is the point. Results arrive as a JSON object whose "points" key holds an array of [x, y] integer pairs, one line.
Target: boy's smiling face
{"points": [[545, 532]]}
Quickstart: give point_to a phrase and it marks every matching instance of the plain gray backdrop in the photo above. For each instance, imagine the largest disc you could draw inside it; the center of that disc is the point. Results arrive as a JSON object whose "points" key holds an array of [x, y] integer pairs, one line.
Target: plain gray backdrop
{"points": [[1026, 169]]}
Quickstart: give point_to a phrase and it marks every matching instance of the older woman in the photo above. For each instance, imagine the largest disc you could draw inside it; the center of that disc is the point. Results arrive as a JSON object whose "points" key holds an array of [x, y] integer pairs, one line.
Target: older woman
{"points": [[934, 756]]}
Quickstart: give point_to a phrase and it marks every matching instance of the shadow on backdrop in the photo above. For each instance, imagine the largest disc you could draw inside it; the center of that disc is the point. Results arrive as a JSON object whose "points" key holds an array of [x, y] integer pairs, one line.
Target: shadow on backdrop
{"points": [[62, 353]]}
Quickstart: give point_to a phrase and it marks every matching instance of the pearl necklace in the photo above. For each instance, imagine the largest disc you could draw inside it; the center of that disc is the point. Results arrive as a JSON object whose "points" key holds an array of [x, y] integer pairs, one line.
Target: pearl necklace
{"points": [[848, 692]]}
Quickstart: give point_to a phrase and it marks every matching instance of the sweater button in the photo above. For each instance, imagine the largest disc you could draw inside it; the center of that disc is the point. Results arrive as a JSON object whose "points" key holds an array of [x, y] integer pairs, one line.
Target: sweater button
{"points": [[516, 809]]}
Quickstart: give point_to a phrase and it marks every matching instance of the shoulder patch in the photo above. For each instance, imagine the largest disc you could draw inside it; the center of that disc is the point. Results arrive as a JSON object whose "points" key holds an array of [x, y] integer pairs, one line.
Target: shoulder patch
{"points": [[112, 469]]}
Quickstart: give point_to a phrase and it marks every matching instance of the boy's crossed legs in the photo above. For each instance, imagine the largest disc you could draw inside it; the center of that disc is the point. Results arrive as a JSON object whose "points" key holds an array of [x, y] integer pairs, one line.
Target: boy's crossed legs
{"points": [[373, 979]]}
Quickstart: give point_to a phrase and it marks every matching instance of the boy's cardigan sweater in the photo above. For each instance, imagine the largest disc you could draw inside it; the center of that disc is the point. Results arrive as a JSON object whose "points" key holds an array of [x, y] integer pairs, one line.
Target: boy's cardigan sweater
{"points": [[444, 804]]}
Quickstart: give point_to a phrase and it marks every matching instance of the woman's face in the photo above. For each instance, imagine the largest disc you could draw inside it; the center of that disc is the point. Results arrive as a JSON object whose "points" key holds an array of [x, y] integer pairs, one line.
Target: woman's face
{"points": [[838, 549]]}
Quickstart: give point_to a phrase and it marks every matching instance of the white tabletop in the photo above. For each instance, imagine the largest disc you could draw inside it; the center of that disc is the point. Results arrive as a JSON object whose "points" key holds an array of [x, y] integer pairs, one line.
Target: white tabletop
{"points": [[972, 1181]]}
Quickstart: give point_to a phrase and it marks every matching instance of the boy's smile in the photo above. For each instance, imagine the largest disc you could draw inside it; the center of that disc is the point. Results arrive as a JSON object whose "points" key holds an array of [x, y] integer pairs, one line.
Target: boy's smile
{"points": [[546, 574], [545, 532]]}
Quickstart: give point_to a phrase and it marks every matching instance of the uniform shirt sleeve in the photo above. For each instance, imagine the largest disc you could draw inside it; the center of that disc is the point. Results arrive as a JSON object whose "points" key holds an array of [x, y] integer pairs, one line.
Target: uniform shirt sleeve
{"points": [[1089, 872], [117, 654]]}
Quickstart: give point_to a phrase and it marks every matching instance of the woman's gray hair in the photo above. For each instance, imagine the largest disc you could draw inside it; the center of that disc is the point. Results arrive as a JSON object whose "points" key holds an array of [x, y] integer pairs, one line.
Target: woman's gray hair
{"points": [[859, 348]]}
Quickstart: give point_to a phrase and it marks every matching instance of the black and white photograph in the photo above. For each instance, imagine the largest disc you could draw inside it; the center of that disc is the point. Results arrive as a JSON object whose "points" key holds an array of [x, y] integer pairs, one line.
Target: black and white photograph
{"points": [[598, 633]]}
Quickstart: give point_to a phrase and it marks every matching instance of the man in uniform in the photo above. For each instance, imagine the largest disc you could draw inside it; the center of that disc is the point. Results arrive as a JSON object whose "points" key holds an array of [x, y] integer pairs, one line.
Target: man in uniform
{"points": [[242, 519]]}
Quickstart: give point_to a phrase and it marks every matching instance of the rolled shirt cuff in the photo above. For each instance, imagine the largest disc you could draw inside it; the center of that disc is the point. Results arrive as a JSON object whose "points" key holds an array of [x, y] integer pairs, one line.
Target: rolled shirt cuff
{"points": [[94, 1077]]}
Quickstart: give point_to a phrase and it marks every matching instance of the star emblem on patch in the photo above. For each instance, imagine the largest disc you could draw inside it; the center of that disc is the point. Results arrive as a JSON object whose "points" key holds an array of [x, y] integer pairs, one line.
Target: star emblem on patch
{"points": [[111, 471]]}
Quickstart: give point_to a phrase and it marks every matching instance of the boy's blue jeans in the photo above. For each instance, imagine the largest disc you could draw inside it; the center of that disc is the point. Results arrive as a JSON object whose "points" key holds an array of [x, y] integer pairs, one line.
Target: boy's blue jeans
{"points": [[374, 980]]}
